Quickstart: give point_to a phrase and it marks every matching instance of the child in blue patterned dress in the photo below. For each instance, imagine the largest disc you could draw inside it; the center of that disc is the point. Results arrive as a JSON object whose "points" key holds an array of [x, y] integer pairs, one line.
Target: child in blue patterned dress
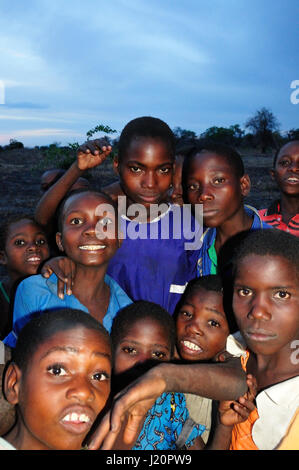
{"points": [[142, 334]]}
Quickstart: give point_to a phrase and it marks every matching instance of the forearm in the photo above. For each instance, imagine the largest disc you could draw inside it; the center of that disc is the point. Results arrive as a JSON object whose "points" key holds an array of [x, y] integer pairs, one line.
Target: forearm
{"points": [[222, 438], [48, 204], [218, 381]]}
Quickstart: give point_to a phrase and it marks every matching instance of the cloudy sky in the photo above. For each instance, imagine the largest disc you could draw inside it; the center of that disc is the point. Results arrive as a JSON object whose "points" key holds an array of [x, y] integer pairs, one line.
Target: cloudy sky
{"points": [[68, 65]]}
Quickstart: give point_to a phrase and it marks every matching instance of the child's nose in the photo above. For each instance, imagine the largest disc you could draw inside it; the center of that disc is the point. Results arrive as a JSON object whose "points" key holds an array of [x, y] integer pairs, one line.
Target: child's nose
{"points": [[205, 194], [80, 389], [260, 308], [149, 179], [194, 328]]}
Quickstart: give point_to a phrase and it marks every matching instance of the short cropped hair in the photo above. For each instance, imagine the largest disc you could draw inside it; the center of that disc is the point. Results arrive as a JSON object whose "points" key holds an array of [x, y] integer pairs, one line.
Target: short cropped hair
{"points": [[295, 141], [232, 157], [141, 310], [43, 326], [270, 242], [12, 219], [148, 127], [210, 283]]}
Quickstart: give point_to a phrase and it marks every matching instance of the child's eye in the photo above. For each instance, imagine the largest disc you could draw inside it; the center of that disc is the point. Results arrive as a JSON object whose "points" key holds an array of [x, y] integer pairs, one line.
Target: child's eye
{"points": [[19, 242], [158, 355], [185, 314], [164, 170], [135, 169], [283, 163], [40, 242], [57, 370], [100, 376], [244, 292], [282, 294], [129, 350], [105, 221], [192, 187], [214, 323], [219, 180], [75, 221]]}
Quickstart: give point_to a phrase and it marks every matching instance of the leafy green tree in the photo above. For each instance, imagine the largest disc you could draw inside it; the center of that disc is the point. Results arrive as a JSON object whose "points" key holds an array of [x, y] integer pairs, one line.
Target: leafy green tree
{"points": [[263, 124], [225, 135]]}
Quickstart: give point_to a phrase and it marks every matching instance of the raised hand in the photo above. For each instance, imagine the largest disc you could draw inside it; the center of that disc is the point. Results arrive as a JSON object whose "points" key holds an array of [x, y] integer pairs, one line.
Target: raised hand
{"points": [[234, 412], [92, 153], [65, 270]]}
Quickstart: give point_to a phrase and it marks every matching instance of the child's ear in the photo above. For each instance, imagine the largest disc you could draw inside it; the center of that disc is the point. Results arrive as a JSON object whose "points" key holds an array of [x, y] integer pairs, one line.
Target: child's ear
{"points": [[59, 241], [3, 257], [116, 164], [272, 174], [245, 185], [11, 384]]}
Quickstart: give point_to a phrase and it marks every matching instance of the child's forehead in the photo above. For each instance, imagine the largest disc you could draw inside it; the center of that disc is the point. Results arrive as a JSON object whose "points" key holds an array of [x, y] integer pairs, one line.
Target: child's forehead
{"points": [[139, 146], [290, 149], [23, 226], [85, 200], [253, 265], [211, 159], [204, 296], [73, 341]]}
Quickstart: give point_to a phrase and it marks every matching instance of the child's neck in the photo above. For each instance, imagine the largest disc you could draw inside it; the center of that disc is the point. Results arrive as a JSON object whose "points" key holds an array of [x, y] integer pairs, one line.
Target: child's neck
{"points": [[289, 207], [91, 290], [272, 369], [238, 223], [145, 215]]}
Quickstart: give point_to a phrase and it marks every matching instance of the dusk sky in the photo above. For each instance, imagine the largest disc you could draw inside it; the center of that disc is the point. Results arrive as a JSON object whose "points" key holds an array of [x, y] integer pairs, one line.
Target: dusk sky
{"points": [[67, 66]]}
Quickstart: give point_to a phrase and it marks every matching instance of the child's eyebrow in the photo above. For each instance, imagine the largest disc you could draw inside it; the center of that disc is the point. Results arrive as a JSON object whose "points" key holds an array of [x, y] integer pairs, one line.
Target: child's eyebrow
{"points": [[23, 234], [137, 162], [73, 350], [137, 343], [214, 310]]}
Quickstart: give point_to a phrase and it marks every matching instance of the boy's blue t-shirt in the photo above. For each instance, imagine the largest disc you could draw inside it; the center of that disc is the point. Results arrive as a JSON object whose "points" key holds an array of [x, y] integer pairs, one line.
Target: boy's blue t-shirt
{"points": [[37, 294], [157, 267]]}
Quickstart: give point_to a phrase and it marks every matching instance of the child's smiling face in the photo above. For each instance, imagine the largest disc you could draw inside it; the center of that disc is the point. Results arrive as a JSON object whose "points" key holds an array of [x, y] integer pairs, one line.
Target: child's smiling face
{"points": [[81, 226], [146, 340], [212, 181], [201, 326], [146, 171], [266, 302], [286, 171], [64, 389], [26, 247]]}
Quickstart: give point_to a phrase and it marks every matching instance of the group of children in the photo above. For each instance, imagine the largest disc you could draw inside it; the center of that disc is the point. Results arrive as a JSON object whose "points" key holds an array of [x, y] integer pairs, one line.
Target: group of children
{"points": [[149, 301]]}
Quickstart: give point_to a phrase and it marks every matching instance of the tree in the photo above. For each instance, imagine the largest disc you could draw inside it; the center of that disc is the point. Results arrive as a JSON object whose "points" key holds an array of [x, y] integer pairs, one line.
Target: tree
{"points": [[263, 124], [183, 135], [224, 135]]}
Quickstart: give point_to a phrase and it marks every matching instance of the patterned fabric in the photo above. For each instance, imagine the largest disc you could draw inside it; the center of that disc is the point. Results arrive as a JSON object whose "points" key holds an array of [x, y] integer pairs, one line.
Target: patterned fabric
{"points": [[164, 423], [272, 216]]}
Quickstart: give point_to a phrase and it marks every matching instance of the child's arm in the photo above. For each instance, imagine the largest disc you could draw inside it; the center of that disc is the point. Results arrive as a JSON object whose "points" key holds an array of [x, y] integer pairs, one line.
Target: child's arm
{"points": [[231, 413], [90, 154], [218, 381]]}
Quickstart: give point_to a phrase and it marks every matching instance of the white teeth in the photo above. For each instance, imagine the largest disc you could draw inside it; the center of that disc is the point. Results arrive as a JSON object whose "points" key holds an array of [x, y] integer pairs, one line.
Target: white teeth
{"points": [[34, 258], [293, 180], [192, 346], [92, 247], [75, 417]]}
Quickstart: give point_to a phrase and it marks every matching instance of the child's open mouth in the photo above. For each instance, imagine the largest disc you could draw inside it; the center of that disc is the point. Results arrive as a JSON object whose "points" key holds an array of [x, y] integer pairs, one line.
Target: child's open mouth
{"points": [[190, 347], [77, 423], [92, 247]]}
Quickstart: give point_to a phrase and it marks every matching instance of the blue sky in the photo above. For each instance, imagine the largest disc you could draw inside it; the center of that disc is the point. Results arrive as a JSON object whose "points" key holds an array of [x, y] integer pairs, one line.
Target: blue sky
{"points": [[68, 65]]}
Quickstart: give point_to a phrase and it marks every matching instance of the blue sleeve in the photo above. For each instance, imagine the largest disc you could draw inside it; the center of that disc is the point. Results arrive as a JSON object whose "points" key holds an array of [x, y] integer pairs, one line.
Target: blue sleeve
{"points": [[23, 306]]}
